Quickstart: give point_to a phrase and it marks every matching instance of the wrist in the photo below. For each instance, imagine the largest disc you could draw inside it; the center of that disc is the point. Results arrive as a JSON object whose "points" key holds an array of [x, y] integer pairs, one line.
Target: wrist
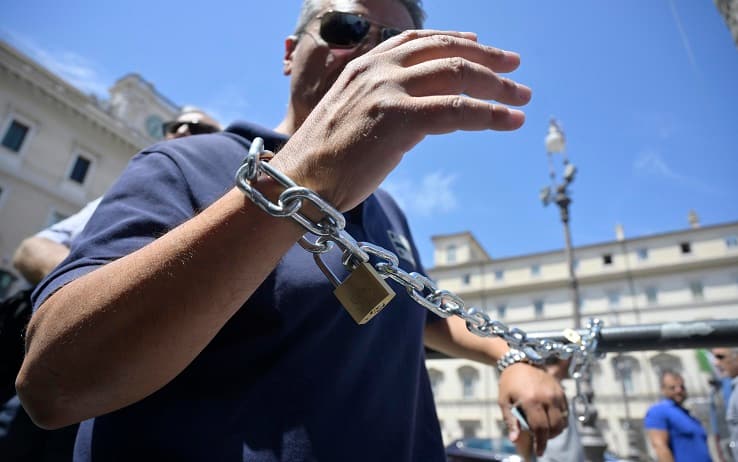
{"points": [[514, 356]]}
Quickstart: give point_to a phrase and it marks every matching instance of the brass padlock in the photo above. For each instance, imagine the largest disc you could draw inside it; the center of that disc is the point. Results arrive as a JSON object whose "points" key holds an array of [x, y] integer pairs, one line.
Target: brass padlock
{"points": [[363, 293]]}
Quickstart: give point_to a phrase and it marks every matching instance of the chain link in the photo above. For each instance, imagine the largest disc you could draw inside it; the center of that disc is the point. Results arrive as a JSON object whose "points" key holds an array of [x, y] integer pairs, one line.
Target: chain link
{"points": [[330, 230]]}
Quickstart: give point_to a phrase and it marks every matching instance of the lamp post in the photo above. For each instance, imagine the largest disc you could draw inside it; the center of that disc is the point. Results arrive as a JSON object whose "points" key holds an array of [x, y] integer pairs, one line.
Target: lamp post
{"points": [[558, 193]]}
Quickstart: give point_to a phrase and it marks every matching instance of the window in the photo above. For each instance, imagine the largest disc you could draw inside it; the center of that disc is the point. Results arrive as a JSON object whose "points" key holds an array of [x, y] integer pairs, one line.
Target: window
{"points": [[613, 298], [451, 254], [626, 375], [466, 279], [15, 135], [469, 377], [665, 361], [642, 253], [625, 368], [686, 248], [607, 259], [499, 275], [538, 308], [436, 378], [80, 169], [652, 295], [731, 242], [501, 310], [697, 290], [535, 269]]}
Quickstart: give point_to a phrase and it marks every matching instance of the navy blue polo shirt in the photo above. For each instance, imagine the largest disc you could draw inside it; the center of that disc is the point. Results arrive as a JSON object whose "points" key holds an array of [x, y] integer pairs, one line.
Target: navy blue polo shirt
{"points": [[290, 376], [687, 438]]}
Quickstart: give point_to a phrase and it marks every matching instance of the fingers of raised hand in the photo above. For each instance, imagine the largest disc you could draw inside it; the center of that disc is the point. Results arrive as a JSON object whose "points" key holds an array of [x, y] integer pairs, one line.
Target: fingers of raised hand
{"points": [[456, 75], [415, 34], [419, 47], [453, 112]]}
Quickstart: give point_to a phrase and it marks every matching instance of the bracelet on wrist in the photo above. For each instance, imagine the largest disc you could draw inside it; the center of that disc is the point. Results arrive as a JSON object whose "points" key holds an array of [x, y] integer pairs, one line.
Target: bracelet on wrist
{"points": [[513, 356]]}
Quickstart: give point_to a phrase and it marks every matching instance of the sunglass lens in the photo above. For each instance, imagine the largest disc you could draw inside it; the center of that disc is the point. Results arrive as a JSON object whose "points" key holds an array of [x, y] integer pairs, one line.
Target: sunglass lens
{"points": [[343, 29], [388, 33], [199, 129]]}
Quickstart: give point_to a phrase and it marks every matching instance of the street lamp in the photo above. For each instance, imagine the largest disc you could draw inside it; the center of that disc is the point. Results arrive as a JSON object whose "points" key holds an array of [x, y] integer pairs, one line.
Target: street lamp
{"points": [[558, 193]]}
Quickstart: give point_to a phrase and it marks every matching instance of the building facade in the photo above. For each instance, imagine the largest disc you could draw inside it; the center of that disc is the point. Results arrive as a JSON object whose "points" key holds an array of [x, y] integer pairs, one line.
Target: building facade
{"points": [[685, 275], [61, 148]]}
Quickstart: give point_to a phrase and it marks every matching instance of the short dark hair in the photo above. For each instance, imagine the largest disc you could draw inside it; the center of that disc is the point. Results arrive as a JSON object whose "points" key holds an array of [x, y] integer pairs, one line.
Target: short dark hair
{"points": [[670, 372], [311, 8]]}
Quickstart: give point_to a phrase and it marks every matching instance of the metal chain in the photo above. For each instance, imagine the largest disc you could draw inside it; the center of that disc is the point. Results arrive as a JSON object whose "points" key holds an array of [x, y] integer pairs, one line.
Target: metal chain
{"points": [[444, 303]]}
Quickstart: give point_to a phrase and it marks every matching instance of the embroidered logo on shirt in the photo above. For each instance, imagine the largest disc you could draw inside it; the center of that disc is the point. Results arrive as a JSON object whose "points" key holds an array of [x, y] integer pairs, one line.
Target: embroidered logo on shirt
{"points": [[402, 247]]}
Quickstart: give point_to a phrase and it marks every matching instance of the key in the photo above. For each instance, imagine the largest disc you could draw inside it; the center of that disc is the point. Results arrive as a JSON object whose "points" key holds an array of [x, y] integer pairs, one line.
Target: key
{"points": [[363, 293]]}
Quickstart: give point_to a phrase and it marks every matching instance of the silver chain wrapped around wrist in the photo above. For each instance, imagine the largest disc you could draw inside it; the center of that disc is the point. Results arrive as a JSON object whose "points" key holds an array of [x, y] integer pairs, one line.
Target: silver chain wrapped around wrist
{"points": [[330, 230]]}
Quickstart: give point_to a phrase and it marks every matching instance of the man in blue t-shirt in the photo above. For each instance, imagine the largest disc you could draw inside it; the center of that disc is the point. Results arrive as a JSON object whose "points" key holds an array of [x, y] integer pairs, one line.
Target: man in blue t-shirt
{"points": [[674, 434], [187, 324]]}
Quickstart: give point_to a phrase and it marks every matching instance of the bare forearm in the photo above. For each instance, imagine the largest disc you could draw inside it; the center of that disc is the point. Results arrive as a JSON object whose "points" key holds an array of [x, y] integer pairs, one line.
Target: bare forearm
{"points": [[37, 256], [450, 336], [123, 331], [659, 440], [663, 454]]}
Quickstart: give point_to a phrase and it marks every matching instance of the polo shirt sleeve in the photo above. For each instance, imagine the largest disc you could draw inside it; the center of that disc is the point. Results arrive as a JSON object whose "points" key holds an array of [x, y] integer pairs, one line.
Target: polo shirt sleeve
{"points": [[150, 198], [656, 419]]}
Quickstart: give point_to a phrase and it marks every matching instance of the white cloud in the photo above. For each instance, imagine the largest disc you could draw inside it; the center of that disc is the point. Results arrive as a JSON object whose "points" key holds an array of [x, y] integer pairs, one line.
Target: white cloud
{"points": [[432, 195], [72, 67], [652, 163], [683, 35]]}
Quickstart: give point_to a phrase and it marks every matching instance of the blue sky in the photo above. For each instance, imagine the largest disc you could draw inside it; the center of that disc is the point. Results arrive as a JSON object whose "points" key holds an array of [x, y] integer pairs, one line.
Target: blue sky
{"points": [[646, 90]]}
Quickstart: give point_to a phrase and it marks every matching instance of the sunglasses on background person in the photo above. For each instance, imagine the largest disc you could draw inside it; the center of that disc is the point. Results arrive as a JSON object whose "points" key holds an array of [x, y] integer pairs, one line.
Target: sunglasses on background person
{"points": [[348, 30], [195, 128]]}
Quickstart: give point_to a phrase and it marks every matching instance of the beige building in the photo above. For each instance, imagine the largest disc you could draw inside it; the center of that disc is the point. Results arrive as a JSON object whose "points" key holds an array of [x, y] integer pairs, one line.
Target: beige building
{"points": [[61, 148], [684, 275]]}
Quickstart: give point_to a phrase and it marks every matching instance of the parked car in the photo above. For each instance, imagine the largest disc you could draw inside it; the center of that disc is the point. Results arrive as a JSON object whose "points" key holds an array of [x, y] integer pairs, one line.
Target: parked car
{"points": [[482, 449]]}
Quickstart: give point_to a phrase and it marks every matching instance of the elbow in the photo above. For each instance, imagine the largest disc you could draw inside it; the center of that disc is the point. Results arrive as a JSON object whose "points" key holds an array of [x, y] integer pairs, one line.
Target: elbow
{"points": [[40, 391], [23, 262], [41, 404]]}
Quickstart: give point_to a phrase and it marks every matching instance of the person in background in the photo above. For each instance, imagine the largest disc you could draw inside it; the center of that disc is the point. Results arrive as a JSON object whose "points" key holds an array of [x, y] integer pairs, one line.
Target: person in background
{"points": [[20, 439], [190, 121], [726, 361], [196, 328], [674, 434]]}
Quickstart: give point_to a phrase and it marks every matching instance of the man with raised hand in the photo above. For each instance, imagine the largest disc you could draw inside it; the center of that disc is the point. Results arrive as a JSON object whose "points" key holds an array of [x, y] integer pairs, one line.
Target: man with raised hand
{"points": [[196, 329]]}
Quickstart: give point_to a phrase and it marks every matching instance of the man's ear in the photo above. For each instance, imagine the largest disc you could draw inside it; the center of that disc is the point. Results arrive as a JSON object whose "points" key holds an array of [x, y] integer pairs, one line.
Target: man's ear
{"points": [[289, 48]]}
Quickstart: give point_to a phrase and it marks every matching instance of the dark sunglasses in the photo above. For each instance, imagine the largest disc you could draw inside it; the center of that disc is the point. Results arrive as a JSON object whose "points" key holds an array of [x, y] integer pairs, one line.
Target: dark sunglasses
{"points": [[719, 357], [195, 128], [347, 30]]}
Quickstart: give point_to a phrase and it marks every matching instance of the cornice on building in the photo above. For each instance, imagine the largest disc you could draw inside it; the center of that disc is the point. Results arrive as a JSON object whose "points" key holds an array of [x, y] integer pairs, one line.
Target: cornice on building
{"points": [[149, 88], [563, 282], [614, 244], [24, 69]]}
